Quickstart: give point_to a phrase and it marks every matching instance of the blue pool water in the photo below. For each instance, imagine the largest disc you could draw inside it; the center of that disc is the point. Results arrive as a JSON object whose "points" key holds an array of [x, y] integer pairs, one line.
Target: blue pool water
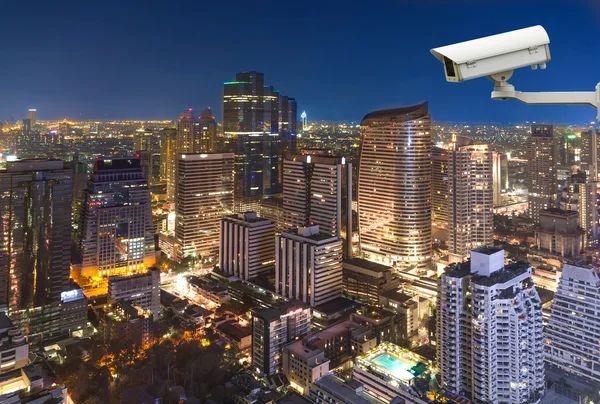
{"points": [[396, 366]]}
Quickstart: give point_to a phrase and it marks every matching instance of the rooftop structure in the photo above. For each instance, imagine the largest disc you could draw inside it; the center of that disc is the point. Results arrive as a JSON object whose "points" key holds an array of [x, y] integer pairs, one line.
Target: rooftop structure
{"points": [[390, 371]]}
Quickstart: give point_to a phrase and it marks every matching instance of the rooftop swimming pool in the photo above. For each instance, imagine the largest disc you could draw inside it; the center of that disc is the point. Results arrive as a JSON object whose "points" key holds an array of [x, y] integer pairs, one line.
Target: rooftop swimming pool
{"points": [[396, 366]]}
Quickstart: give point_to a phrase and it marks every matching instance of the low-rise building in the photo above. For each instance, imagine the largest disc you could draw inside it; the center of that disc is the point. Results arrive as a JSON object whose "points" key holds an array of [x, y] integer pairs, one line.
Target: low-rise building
{"points": [[366, 280], [125, 323], [31, 384], [140, 289], [386, 324], [332, 389], [74, 306], [303, 364], [408, 309], [342, 342], [196, 315], [559, 233], [389, 372], [209, 288], [238, 337], [14, 349]]}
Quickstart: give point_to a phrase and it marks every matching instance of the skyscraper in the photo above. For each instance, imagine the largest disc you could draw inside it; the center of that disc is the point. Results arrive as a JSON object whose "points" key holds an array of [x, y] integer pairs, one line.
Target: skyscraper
{"points": [[145, 157], [439, 187], [573, 330], [497, 178], [35, 247], [208, 131], [32, 116], [490, 344], [168, 160], [255, 133], [308, 265], [394, 187], [26, 125], [589, 151], [64, 130], [247, 245], [317, 190], [470, 198], [541, 170], [288, 123], [117, 234], [204, 195]]}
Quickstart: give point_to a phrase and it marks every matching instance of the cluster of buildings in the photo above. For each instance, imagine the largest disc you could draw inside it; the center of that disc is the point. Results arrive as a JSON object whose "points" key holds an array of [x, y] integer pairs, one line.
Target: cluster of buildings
{"points": [[338, 268]]}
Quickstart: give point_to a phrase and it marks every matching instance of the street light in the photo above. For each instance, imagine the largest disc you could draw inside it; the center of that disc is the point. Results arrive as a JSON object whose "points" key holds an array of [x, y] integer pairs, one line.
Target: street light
{"points": [[496, 57]]}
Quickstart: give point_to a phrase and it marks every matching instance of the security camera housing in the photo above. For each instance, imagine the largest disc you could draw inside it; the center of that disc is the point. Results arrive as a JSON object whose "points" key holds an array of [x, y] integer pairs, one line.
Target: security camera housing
{"points": [[494, 55]]}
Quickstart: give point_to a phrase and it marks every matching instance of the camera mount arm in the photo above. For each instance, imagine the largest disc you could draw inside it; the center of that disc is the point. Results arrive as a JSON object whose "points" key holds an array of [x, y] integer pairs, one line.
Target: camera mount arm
{"points": [[505, 91]]}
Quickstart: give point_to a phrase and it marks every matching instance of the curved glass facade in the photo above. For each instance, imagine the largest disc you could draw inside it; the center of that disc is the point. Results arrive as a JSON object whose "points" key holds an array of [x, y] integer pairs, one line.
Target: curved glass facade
{"points": [[394, 187]]}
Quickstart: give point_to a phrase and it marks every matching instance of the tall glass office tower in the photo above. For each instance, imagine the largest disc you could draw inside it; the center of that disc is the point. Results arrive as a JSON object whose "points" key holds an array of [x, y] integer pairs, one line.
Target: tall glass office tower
{"points": [[394, 187], [258, 124]]}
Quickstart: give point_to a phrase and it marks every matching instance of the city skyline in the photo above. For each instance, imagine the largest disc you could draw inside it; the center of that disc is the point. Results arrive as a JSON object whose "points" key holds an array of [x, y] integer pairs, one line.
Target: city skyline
{"points": [[138, 81]]}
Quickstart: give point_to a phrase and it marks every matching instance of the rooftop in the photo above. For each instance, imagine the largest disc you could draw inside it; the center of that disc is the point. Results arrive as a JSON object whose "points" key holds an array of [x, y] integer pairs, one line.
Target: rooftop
{"points": [[267, 314], [293, 398], [303, 351], [330, 332], [397, 296], [559, 212], [403, 114], [233, 329], [503, 275], [117, 163], [319, 237], [350, 391], [339, 304], [370, 265], [247, 217], [487, 250]]}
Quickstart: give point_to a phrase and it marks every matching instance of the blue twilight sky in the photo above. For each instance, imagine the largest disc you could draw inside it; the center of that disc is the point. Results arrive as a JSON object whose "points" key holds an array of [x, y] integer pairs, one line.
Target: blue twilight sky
{"points": [[340, 59]]}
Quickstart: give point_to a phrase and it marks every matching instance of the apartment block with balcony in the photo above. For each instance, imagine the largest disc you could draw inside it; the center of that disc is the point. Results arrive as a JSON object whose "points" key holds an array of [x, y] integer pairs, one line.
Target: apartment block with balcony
{"points": [[490, 346]]}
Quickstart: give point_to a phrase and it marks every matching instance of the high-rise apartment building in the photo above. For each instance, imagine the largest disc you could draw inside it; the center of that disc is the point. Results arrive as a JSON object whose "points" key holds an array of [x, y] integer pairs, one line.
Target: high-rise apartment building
{"points": [[272, 328], [497, 178], [317, 190], [589, 151], [168, 160], [573, 330], [541, 170], [141, 289], [308, 265], [490, 343], [35, 247], [258, 125], [470, 198], [394, 187], [204, 195], [116, 230], [439, 187], [246, 245]]}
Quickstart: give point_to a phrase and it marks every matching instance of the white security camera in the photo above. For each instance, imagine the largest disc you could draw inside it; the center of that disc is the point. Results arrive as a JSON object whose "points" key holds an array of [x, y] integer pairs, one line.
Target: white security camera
{"points": [[495, 56]]}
